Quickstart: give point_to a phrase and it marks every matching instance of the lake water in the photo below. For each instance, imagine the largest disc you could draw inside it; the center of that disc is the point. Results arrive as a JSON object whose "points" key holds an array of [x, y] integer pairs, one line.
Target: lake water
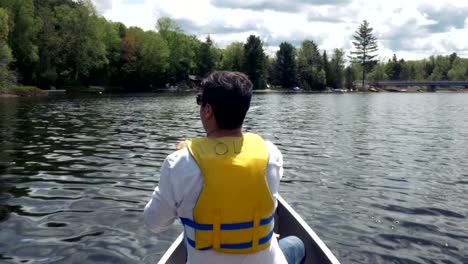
{"points": [[382, 178]]}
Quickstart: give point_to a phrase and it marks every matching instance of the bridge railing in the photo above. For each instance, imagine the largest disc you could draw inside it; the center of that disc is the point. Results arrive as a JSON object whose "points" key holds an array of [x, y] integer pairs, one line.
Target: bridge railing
{"points": [[413, 83], [422, 83]]}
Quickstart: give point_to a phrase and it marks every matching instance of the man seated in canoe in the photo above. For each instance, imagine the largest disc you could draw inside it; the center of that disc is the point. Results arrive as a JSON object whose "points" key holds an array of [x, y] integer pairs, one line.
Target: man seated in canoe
{"points": [[223, 186]]}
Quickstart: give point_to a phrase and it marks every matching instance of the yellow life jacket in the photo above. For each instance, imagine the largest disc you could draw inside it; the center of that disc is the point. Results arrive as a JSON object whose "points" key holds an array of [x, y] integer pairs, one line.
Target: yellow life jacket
{"points": [[235, 209]]}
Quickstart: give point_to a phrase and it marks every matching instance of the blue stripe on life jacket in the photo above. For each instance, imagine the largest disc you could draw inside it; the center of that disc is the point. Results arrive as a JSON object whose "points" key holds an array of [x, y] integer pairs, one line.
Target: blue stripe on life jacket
{"points": [[268, 220], [266, 238], [235, 226], [192, 243], [237, 246], [196, 225], [245, 245]]}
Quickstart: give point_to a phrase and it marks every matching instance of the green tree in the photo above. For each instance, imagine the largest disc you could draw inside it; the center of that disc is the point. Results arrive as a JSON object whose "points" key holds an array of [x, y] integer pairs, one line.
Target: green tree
{"points": [[311, 75], [48, 44], [349, 77], [255, 61], [418, 72], [83, 51], [326, 68], [366, 45], [441, 68], [131, 49], [167, 27], [181, 50], [285, 65], [207, 57], [336, 68], [233, 57], [459, 70], [23, 38], [271, 71], [452, 58], [428, 66], [378, 73], [393, 68], [109, 35], [405, 70], [69, 43], [154, 58], [5, 51]]}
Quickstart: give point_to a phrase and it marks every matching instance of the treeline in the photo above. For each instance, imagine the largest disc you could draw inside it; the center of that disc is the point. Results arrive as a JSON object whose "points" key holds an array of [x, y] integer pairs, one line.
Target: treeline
{"points": [[450, 67], [63, 43]]}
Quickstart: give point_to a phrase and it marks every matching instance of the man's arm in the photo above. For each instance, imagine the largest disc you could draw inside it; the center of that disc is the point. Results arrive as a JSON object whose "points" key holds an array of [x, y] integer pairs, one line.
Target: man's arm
{"points": [[161, 211], [274, 169]]}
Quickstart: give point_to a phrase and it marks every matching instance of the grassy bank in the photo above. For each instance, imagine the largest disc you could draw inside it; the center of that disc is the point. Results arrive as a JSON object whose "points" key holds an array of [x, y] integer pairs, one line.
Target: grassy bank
{"points": [[11, 90]]}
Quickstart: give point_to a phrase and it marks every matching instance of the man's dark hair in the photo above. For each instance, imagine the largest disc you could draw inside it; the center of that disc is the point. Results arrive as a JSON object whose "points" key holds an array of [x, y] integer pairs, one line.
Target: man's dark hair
{"points": [[229, 95]]}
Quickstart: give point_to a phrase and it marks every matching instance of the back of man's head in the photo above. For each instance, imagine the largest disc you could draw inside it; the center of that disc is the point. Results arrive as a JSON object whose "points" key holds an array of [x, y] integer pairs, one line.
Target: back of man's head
{"points": [[229, 94]]}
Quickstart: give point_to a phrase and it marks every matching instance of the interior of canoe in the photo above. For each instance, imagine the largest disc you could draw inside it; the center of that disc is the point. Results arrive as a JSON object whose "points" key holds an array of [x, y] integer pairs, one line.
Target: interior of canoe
{"points": [[287, 223]]}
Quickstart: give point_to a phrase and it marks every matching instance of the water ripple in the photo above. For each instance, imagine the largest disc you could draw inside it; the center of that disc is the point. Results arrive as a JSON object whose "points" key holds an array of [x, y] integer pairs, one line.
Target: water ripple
{"points": [[380, 177]]}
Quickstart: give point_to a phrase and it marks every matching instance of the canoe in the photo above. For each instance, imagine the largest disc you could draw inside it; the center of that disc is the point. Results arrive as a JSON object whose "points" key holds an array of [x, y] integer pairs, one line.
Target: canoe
{"points": [[287, 223]]}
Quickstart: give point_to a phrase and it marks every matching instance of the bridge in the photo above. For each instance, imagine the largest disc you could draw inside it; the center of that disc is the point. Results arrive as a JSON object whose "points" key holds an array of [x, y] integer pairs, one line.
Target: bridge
{"points": [[431, 85]]}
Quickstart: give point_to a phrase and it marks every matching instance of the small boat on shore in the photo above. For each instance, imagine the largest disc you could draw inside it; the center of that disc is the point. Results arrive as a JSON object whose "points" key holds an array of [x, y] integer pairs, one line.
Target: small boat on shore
{"points": [[287, 223]]}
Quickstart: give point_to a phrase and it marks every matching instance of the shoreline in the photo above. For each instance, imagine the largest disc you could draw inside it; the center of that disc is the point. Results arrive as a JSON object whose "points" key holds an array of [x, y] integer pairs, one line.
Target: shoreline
{"points": [[12, 91], [28, 91]]}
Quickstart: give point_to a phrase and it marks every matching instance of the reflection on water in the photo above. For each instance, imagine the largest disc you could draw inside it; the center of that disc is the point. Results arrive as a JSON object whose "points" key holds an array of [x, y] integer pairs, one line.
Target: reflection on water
{"points": [[382, 178]]}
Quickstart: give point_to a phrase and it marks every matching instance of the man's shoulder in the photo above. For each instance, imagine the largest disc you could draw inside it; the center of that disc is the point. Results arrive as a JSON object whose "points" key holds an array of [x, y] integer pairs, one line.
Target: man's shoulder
{"points": [[271, 146], [179, 158], [275, 153]]}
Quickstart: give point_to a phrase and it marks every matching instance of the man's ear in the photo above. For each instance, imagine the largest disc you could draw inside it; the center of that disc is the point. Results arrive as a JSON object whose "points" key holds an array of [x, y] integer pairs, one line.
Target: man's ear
{"points": [[208, 111]]}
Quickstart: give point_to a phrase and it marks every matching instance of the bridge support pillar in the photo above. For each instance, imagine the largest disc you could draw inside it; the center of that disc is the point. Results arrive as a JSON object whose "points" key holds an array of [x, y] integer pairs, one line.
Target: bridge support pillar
{"points": [[432, 88]]}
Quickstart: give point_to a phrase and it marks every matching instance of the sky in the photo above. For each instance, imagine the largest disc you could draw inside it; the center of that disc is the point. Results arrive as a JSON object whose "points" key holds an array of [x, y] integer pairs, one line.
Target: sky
{"points": [[412, 29]]}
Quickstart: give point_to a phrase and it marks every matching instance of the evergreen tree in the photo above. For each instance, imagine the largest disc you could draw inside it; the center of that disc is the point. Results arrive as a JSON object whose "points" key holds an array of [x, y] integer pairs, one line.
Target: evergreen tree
{"points": [[404, 71], [336, 68], [349, 77], [393, 68], [326, 68], [412, 72], [271, 71], [255, 61], [452, 58], [285, 66], [366, 45], [311, 75], [207, 57]]}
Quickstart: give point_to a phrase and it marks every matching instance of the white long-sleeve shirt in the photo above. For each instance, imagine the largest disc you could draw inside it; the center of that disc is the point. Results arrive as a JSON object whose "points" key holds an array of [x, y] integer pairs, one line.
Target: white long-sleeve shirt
{"points": [[180, 185]]}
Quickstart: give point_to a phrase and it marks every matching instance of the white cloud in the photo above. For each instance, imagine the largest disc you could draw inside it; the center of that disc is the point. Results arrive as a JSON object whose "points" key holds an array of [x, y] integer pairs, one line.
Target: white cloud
{"points": [[411, 28], [103, 5], [140, 14]]}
